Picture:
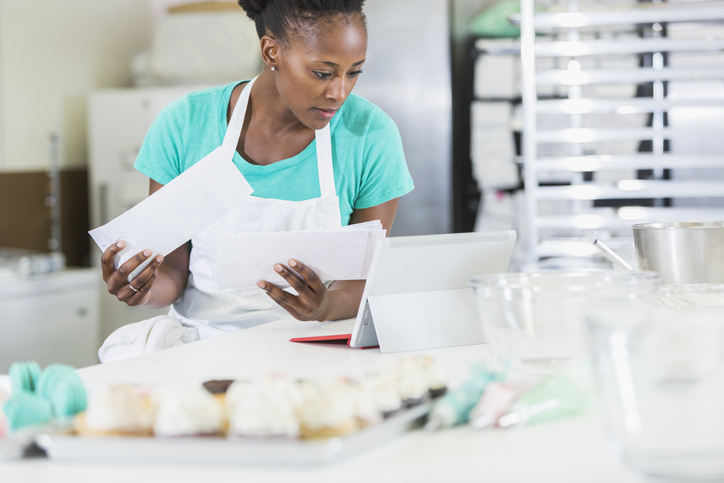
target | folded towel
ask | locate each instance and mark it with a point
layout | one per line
(147, 336)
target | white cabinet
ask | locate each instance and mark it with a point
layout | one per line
(118, 120)
(50, 318)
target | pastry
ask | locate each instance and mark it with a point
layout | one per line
(436, 377)
(50, 376)
(116, 410)
(384, 393)
(61, 386)
(187, 411)
(364, 404)
(410, 381)
(27, 409)
(264, 408)
(24, 376)
(327, 412)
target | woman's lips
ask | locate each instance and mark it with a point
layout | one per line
(326, 113)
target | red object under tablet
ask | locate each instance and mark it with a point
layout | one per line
(340, 339)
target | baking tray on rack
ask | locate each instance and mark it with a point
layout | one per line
(257, 451)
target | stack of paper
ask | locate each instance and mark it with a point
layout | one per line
(176, 213)
(342, 254)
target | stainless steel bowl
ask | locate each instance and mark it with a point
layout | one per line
(682, 252)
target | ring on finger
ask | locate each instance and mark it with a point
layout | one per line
(135, 290)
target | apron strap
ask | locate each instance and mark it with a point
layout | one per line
(324, 162)
(323, 138)
(233, 131)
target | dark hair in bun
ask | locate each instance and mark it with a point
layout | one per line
(284, 18)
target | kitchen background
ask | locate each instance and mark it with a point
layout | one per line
(82, 80)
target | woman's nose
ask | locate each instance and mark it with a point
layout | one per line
(337, 89)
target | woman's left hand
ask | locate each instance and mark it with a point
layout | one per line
(313, 300)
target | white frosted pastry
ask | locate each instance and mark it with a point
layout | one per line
(366, 409)
(187, 411)
(117, 410)
(263, 408)
(384, 394)
(410, 379)
(436, 377)
(328, 412)
(283, 387)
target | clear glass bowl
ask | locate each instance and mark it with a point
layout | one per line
(537, 320)
(661, 377)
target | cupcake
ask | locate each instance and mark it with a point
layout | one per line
(187, 411)
(366, 410)
(410, 380)
(436, 377)
(384, 394)
(116, 410)
(24, 376)
(264, 408)
(326, 412)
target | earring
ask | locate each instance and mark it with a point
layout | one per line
(273, 68)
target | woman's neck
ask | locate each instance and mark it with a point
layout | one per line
(269, 111)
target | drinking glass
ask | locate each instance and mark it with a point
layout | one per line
(661, 379)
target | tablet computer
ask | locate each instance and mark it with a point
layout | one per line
(417, 294)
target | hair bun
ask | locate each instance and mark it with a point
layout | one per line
(253, 7)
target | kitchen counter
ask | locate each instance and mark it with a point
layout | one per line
(569, 450)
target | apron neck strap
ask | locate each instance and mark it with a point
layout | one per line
(323, 138)
(233, 131)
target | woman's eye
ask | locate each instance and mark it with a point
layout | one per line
(323, 75)
(355, 73)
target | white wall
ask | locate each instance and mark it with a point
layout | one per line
(52, 53)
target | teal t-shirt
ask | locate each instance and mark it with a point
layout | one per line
(367, 156)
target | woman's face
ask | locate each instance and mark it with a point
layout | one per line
(317, 72)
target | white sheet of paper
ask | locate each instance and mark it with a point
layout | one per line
(184, 207)
(343, 254)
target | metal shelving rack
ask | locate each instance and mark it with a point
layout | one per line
(609, 206)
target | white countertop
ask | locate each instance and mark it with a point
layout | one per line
(569, 450)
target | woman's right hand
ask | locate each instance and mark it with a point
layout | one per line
(138, 291)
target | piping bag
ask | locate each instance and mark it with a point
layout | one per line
(454, 407)
(567, 393)
(496, 401)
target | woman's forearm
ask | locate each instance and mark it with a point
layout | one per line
(345, 296)
(164, 292)
(171, 278)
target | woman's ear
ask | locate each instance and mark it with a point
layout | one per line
(270, 51)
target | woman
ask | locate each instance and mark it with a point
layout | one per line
(313, 52)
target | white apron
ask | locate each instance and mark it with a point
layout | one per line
(203, 310)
